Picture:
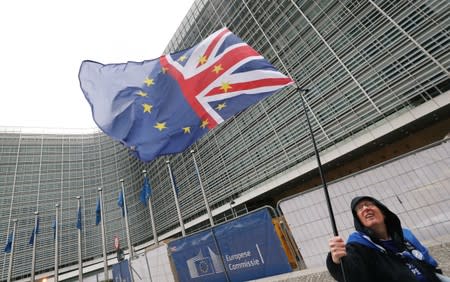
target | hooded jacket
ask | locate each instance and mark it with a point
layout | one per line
(367, 260)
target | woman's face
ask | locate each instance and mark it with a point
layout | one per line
(369, 214)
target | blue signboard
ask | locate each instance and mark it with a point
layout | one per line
(243, 249)
(196, 258)
(121, 272)
(250, 247)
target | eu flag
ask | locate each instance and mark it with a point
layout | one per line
(120, 203)
(54, 224)
(161, 106)
(146, 191)
(34, 232)
(98, 214)
(79, 218)
(8, 245)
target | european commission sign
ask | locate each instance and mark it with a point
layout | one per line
(243, 249)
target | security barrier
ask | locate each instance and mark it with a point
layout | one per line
(242, 249)
(415, 186)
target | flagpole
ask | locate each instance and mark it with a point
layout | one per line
(56, 242)
(80, 258)
(180, 219)
(105, 259)
(130, 247)
(300, 90)
(211, 220)
(11, 258)
(316, 151)
(33, 256)
(150, 208)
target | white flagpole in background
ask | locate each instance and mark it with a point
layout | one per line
(150, 208)
(33, 256)
(56, 242)
(183, 232)
(80, 257)
(211, 220)
(102, 222)
(11, 258)
(130, 247)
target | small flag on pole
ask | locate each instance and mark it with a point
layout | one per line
(146, 191)
(54, 223)
(34, 232)
(120, 203)
(79, 218)
(177, 190)
(98, 214)
(8, 245)
(162, 106)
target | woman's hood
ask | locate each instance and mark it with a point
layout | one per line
(391, 220)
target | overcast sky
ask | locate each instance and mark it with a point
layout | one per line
(44, 42)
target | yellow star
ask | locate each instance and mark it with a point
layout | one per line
(187, 129)
(164, 69)
(220, 106)
(147, 108)
(182, 58)
(217, 69)
(204, 123)
(142, 93)
(225, 86)
(160, 126)
(202, 60)
(149, 81)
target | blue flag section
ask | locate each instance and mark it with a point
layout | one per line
(120, 203)
(161, 106)
(121, 271)
(177, 190)
(34, 232)
(54, 228)
(247, 248)
(146, 191)
(79, 224)
(98, 212)
(8, 245)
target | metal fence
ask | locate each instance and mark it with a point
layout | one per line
(415, 186)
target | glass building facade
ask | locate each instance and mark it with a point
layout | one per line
(370, 67)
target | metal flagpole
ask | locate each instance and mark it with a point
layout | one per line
(80, 257)
(33, 256)
(150, 208)
(130, 247)
(211, 220)
(56, 242)
(319, 164)
(11, 258)
(102, 213)
(183, 232)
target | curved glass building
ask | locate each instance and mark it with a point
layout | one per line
(378, 81)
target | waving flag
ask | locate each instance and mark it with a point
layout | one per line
(162, 106)
(79, 218)
(146, 191)
(8, 245)
(98, 214)
(120, 203)
(54, 225)
(34, 232)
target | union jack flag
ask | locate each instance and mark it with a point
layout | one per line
(162, 106)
